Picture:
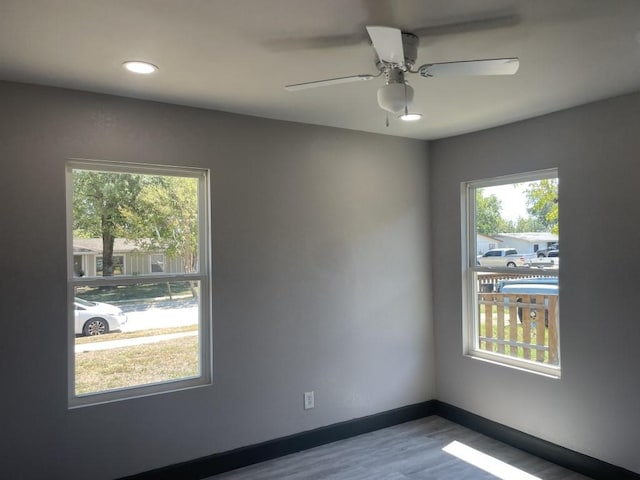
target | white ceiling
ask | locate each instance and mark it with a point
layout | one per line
(236, 55)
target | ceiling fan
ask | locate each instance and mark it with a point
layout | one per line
(396, 53)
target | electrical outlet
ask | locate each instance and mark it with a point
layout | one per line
(309, 402)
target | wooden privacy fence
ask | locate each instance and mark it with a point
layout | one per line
(519, 325)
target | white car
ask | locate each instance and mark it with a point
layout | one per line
(504, 257)
(95, 318)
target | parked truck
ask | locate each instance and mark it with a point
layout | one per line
(541, 287)
(547, 252)
(505, 257)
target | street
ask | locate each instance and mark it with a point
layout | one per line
(166, 314)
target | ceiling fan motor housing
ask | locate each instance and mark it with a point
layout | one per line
(410, 44)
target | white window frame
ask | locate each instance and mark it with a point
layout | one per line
(470, 340)
(202, 276)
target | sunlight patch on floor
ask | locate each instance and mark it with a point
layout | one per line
(487, 463)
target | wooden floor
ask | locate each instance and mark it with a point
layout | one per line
(410, 451)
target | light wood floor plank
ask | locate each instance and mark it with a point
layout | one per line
(411, 451)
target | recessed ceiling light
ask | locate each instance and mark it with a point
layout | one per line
(143, 68)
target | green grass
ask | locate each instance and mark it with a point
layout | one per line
(137, 365)
(142, 292)
(515, 351)
(137, 334)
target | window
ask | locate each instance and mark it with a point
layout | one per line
(511, 292)
(117, 265)
(157, 262)
(78, 270)
(139, 314)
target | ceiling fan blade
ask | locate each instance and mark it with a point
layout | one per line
(496, 66)
(468, 23)
(387, 41)
(329, 81)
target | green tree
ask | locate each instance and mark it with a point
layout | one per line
(156, 212)
(489, 219)
(166, 218)
(528, 224)
(102, 206)
(542, 203)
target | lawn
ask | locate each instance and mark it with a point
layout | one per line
(135, 334)
(144, 292)
(137, 365)
(512, 350)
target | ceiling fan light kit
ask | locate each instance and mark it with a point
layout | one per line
(394, 97)
(410, 116)
(396, 54)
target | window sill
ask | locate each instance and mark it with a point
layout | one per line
(516, 364)
(118, 395)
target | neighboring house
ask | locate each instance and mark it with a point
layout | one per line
(528, 242)
(128, 259)
(485, 242)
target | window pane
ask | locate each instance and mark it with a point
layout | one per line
(131, 335)
(117, 265)
(518, 316)
(78, 270)
(157, 262)
(519, 218)
(123, 221)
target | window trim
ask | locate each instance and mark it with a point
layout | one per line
(203, 276)
(470, 336)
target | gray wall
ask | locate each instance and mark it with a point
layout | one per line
(593, 408)
(321, 281)
(322, 258)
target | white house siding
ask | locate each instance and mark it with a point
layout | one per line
(484, 243)
(134, 263)
(139, 263)
(526, 243)
(522, 246)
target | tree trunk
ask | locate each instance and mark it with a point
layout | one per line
(107, 248)
(189, 265)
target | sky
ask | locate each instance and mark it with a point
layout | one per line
(512, 197)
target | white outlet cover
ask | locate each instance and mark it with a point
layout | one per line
(308, 400)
